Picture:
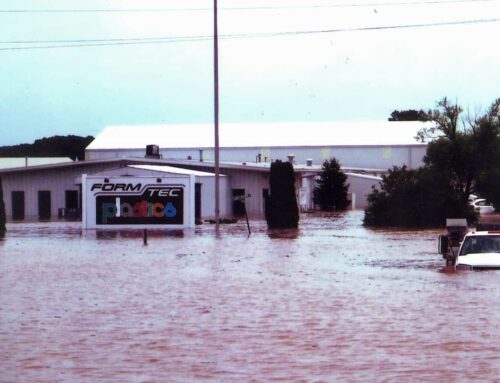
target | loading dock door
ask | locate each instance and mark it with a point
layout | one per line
(17, 205)
(44, 204)
(238, 202)
(71, 202)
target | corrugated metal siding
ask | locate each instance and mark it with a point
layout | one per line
(361, 186)
(253, 183)
(373, 157)
(57, 181)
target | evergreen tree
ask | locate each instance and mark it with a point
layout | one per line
(282, 209)
(331, 190)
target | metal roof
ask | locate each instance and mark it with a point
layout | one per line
(241, 135)
(172, 170)
(18, 162)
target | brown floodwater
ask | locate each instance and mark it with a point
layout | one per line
(332, 301)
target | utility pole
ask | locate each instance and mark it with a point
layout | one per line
(216, 118)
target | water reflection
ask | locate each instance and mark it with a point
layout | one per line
(283, 233)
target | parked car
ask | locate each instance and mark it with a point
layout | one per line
(482, 206)
(472, 198)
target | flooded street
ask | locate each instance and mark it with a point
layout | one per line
(333, 301)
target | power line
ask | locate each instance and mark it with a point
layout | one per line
(109, 40)
(271, 7)
(177, 39)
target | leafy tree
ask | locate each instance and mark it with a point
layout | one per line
(414, 198)
(466, 151)
(282, 209)
(331, 190)
(408, 115)
(3, 218)
(56, 146)
(488, 132)
(462, 158)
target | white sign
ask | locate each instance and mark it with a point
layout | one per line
(138, 202)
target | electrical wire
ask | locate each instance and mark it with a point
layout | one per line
(177, 39)
(271, 7)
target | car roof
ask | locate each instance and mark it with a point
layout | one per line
(484, 233)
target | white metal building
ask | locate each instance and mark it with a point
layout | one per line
(374, 145)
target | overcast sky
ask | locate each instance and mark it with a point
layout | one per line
(330, 76)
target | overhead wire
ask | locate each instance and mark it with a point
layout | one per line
(270, 7)
(54, 44)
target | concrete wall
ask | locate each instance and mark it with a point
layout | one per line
(373, 157)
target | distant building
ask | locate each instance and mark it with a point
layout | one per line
(366, 145)
(154, 157)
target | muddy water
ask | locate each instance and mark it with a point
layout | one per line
(331, 302)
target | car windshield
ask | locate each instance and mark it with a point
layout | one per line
(481, 244)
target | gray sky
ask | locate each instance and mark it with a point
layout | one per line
(330, 76)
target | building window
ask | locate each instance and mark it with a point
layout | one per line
(17, 205)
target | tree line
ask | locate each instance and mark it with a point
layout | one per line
(56, 146)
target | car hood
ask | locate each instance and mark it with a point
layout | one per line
(480, 260)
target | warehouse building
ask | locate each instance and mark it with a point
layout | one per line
(364, 145)
(161, 157)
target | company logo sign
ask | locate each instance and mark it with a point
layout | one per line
(137, 204)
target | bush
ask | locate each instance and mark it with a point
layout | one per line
(331, 190)
(415, 198)
(3, 218)
(281, 209)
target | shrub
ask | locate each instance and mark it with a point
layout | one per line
(415, 198)
(282, 209)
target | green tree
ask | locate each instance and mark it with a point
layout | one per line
(281, 209)
(56, 146)
(408, 115)
(488, 133)
(331, 190)
(462, 157)
(414, 198)
(3, 218)
(465, 150)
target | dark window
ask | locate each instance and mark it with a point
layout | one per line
(17, 205)
(239, 208)
(71, 199)
(44, 204)
(265, 196)
(197, 202)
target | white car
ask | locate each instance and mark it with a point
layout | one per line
(479, 250)
(482, 206)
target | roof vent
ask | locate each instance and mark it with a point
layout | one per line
(153, 151)
(291, 158)
(309, 162)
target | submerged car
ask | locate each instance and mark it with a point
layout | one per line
(482, 206)
(479, 250)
